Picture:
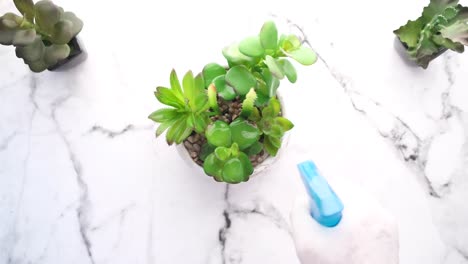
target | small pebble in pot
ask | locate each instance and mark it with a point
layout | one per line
(193, 154)
(196, 147)
(191, 139)
(188, 145)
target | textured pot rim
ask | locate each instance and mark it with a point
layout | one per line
(260, 168)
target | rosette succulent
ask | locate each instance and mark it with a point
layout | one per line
(443, 25)
(41, 35)
(229, 117)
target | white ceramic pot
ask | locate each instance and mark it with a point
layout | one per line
(259, 169)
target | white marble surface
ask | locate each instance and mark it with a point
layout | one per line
(82, 179)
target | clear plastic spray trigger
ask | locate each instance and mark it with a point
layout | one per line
(326, 206)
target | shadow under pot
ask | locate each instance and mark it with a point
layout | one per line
(423, 61)
(77, 55)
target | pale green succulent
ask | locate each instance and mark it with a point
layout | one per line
(41, 35)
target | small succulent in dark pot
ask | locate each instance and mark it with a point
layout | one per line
(45, 36)
(443, 25)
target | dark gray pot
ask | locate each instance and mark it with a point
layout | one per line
(77, 55)
(402, 50)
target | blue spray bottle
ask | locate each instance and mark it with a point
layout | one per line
(326, 206)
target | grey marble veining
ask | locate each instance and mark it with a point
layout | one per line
(83, 180)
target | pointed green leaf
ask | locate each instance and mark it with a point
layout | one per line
(284, 123)
(274, 67)
(271, 149)
(175, 85)
(167, 97)
(241, 79)
(163, 115)
(174, 130)
(183, 133)
(276, 106)
(303, 55)
(269, 36)
(162, 127)
(234, 150)
(288, 70)
(188, 82)
(251, 47)
(224, 90)
(26, 8)
(276, 131)
(201, 96)
(213, 98)
(200, 123)
(211, 71)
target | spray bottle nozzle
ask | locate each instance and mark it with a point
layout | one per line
(326, 205)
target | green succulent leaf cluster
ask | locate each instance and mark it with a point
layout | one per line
(258, 62)
(273, 126)
(228, 162)
(189, 110)
(41, 35)
(249, 121)
(443, 25)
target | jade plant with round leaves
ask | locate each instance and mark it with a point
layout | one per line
(229, 117)
(41, 35)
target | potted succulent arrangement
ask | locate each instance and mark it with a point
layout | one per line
(443, 25)
(44, 36)
(229, 119)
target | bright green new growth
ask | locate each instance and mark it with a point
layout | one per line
(41, 35)
(273, 126)
(256, 65)
(190, 108)
(443, 25)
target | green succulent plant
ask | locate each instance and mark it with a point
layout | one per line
(273, 126)
(443, 25)
(234, 109)
(189, 110)
(258, 62)
(229, 140)
(41, 35)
